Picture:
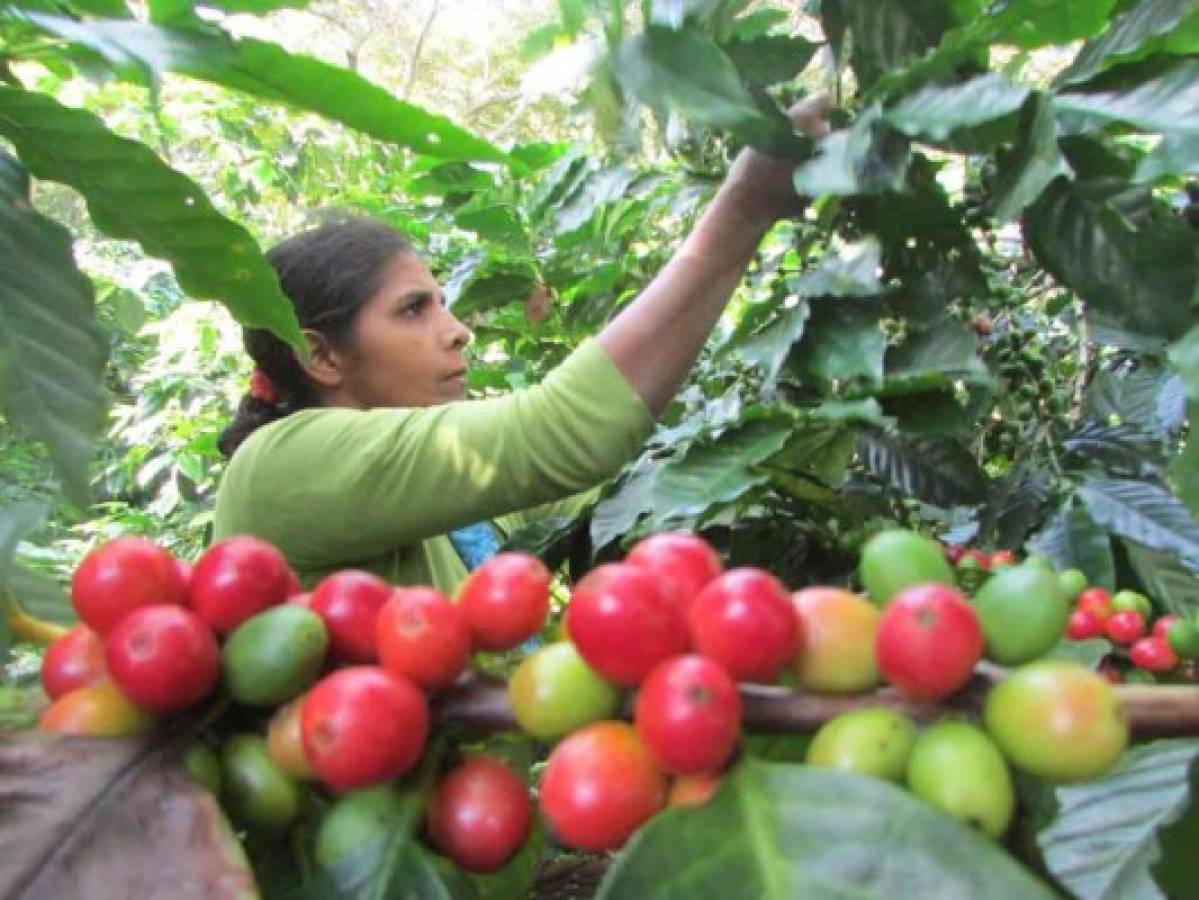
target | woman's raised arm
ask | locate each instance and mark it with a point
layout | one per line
(655, 340)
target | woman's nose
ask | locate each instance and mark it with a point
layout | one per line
(458, 334)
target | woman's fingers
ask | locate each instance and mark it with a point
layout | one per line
(810, 115)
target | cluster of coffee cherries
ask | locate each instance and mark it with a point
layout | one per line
(334, 691)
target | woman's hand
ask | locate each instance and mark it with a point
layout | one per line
(762, 184)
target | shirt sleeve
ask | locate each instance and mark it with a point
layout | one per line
(338, 485)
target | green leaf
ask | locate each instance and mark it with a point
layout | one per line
(515, 880)
(592, 193)
(936, 471)
(1179, 842)
(1176, 155)
(52, 351)
(710, 475)
(934, 359)
(820, 450)
(112, 9)
(851, 270)
(756, 24)
(394, 864)
(768, 60)
(1184, 470)
(769, 348)
(499, 224)
(687, 72)
(1165, 579)
(673, 13)
(38, 595)
(1035, 23)
(1146, 398)
(777, 830)
(1145, 513)
(16, 521)
(869, 158)
(1074, 541)
(937, 110)
(1117, 447)
(1089, 653)
(267, 71)
(1138, 282)
(1025, 172)
(183, 12)
(482, 281)
(132, 194)
(1104, 841)
(616, 515)
(1133, 35)
(843, 342)
(1167, 100)
(888, 34)
(1015, 505)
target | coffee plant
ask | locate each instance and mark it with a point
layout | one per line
(982, 328)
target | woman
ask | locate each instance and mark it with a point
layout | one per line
(367, 459)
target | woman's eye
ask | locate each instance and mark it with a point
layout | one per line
(415, 308)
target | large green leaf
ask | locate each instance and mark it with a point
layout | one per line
(394, 864)
(934, 359)
(851, 270)
(1103, 844)
(767, 60)
(1074, 541)
(483, 280)
(868, 158)
(1177, 154)
(1172, 585)
(778, 830)
(1147, 398)
(616, 515)
(819, 450)
(714, 474)
(167, 11)
(1015, 505)
(1035, 23)
(769, 348)
(937, 110)
(1139, 282)
(1143, 512)
(1166, 100)
(52, 351)
(1148, 27)
(709, 474)
(843, 342)
(16, 521)
(687, 72)
(1121, 449)
(132, 194)
(1184, 470)
(888, 34)
(268, 71)
(936, 471)
(1025, 172)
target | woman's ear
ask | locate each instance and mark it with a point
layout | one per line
(324, 365)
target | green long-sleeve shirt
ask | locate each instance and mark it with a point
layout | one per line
(337, 488)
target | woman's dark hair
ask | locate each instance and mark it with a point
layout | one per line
(328, 273)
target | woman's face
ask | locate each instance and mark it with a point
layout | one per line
(409, 349)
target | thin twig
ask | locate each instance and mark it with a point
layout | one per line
(480, 706)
